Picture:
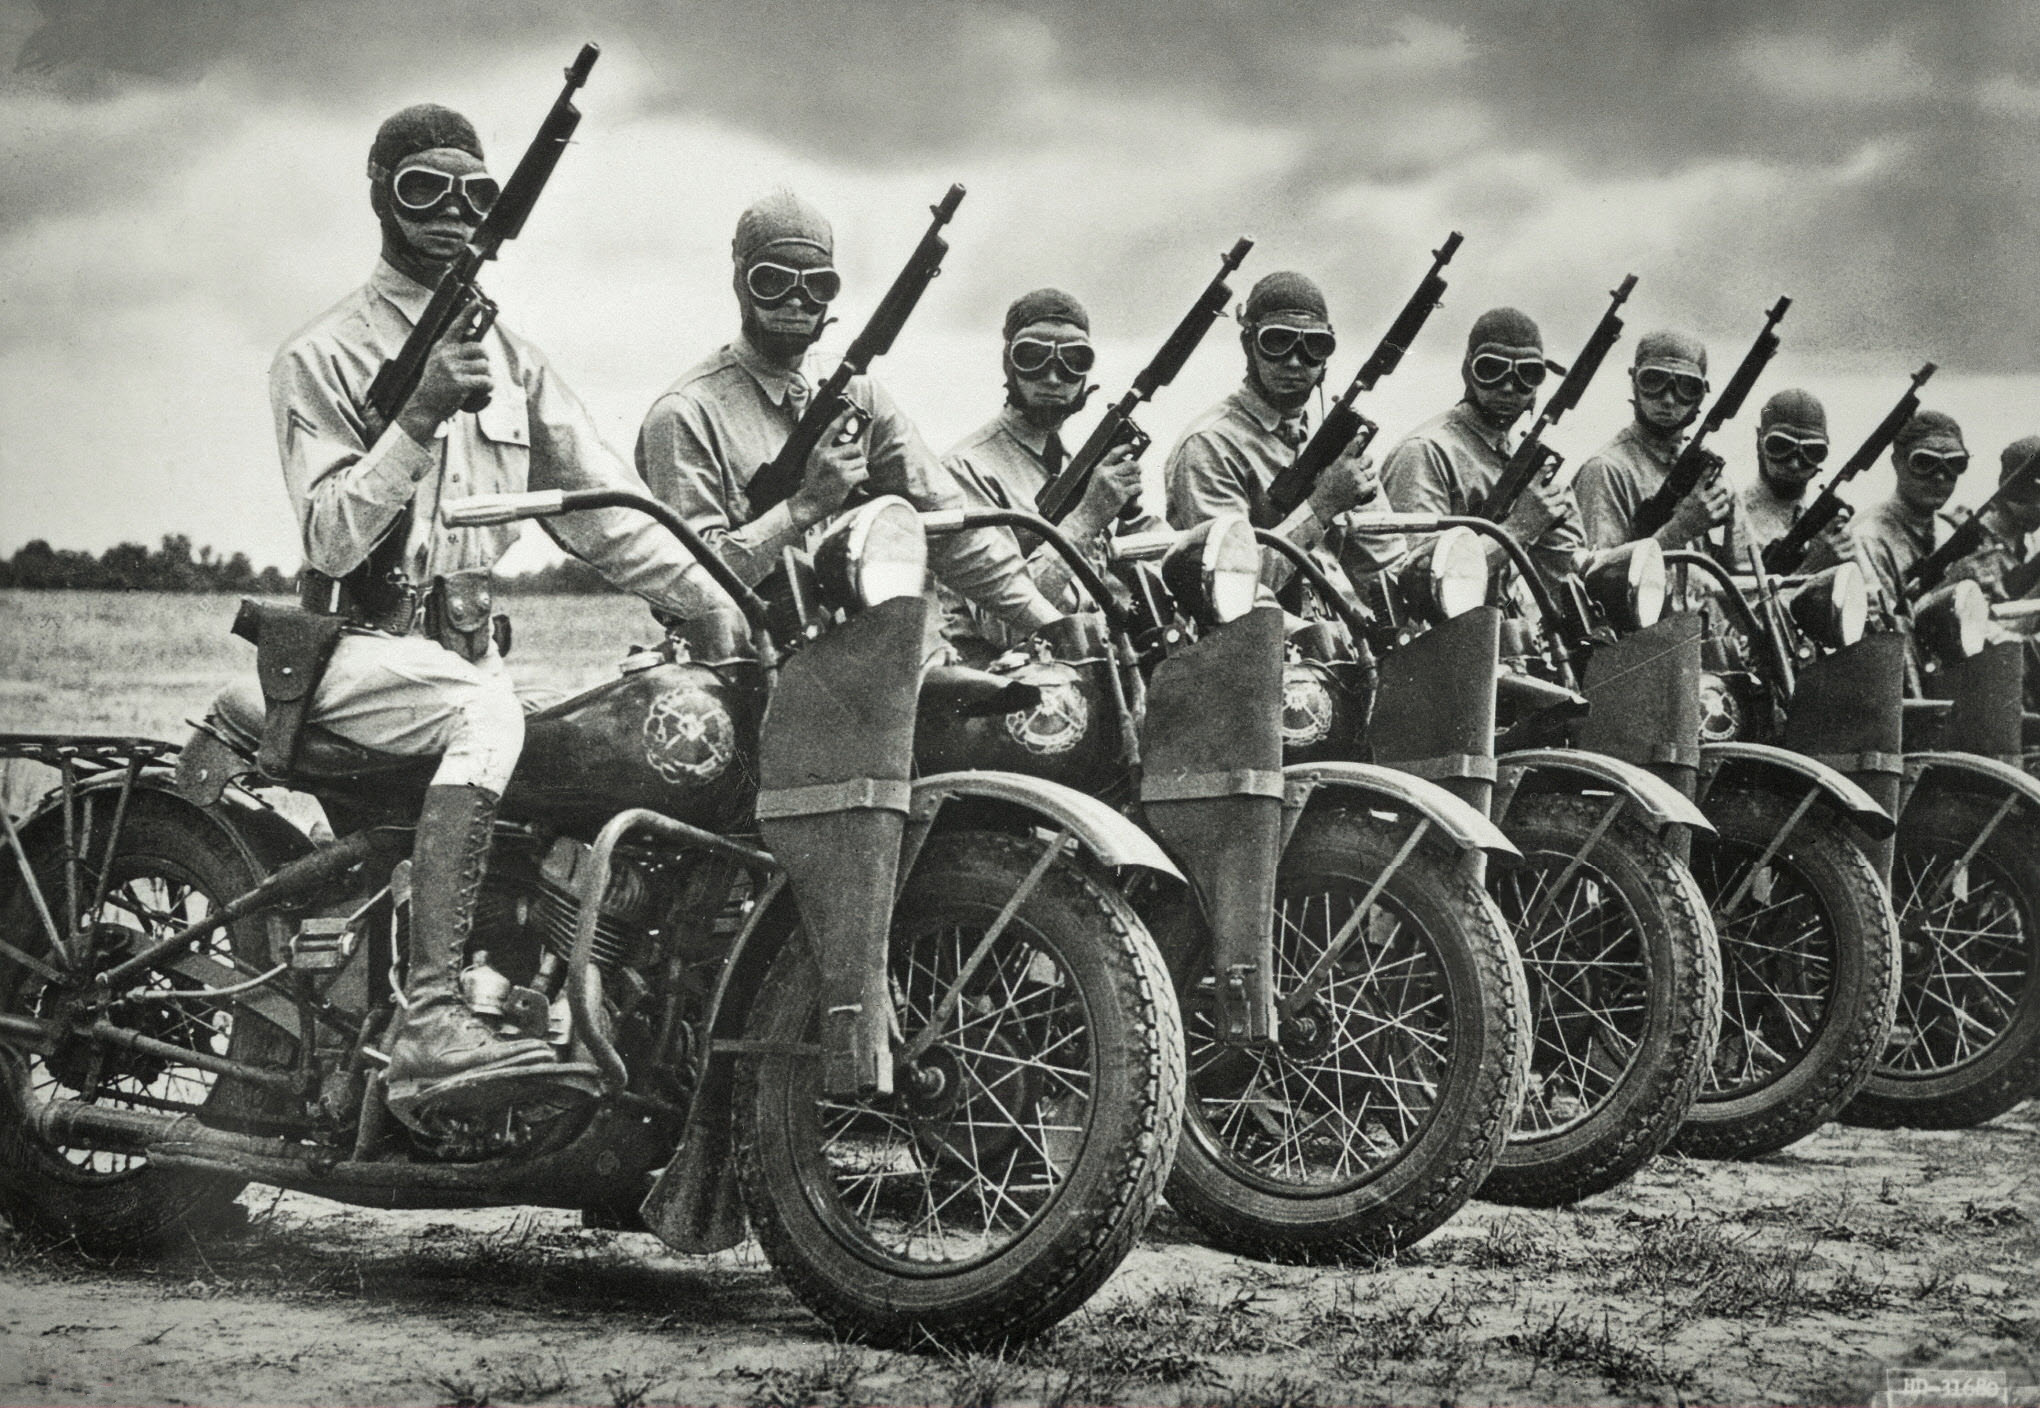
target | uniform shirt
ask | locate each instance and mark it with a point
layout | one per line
(1763, 517)
(727, 416)
(1448, 465)
(1224, 464)
(533, 434)
(1890, 537)
(1004, 464)
(1997, 555)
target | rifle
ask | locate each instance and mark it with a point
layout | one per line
(1786, 554)
(781, 477)
(1696, 462)
(1532, 457)
(1926, 574)
(1343, 426)
(458, 307)
(1066, 490)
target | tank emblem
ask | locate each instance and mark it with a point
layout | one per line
(1055, 725)
(1307, 708)
(689, 736)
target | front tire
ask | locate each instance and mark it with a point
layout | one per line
(1019, 1158)
(1966, 1044)
(1625, 991)
(1388, 1096)
(1809, 957)
(169, 871)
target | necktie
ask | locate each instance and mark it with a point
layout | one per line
(1052, 455)
(797, 394)
(1293, 433)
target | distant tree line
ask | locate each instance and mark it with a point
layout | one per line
(130, 567)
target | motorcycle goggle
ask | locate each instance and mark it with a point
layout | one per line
(422, 189)
(1935, 465)
(1276, 341)
(775, 283)
(1492, 368)
(1780, 446)
(1655, 381)
(1032, 357)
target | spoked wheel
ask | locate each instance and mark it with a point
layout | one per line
(1625, 996)
(166, 875)
(1399, 1061)
(1038, 1097)
(1808, 965)
(1966, 1043)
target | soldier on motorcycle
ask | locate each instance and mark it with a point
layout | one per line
(1929, 457)
(417, 671)
(729, 414)
(1792, 445)
(1448, 464)
(1228, 457)
(1007, 462)
(1668, 379)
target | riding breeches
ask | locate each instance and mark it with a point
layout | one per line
(410, 695)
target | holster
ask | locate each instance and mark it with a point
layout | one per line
(457, 613)
(292, 648)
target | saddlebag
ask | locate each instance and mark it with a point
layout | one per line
(292, 648)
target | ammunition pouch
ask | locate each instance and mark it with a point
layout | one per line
(292, 648)
(457, 613)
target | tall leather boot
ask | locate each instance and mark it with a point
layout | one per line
(440, 1038)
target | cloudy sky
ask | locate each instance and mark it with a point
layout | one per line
(181, 187)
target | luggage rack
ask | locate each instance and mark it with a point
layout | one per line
(79, 759)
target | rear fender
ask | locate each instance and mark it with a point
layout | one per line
(1575, 770)
(1761, 765)
(1462, 825)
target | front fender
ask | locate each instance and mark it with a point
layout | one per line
(1968, 772)
(1663, 804)
(1462, 823)
(1103, 832)
(1763, 760)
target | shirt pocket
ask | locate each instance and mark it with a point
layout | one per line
(503, 430)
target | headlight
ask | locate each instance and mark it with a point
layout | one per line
(1952, 620)
(1721, 713)
(1443, 577)
(1833, 607)
(1628, 584)
(1214, 571)
(876, 552)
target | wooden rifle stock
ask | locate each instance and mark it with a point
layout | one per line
(781, 477)
(1062, 493)
(1696, 462)
(1785, 554)
(1343, 426)
(1531, 457)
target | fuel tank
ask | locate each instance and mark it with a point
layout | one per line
(681, 739)
(1069, 733)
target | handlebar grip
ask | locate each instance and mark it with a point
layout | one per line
(1141, 547)
(482, 510)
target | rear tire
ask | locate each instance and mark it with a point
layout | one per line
(1810, 976)
(976, 1209)
(168, 871)
(1966, 1044)
(1625, 991)
(1415, 1054)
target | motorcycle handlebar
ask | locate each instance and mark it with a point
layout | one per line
(958, 520)
(483, 509)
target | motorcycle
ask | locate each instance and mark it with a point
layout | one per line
(906, 1030)
(1352, 1007)
(1785, 866)
(1616, 944)
(1931, 709)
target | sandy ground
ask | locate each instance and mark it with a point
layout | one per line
(1796, 1279)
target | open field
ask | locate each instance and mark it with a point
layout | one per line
(1796, 1278)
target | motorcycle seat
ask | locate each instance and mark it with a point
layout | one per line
(322, 754)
